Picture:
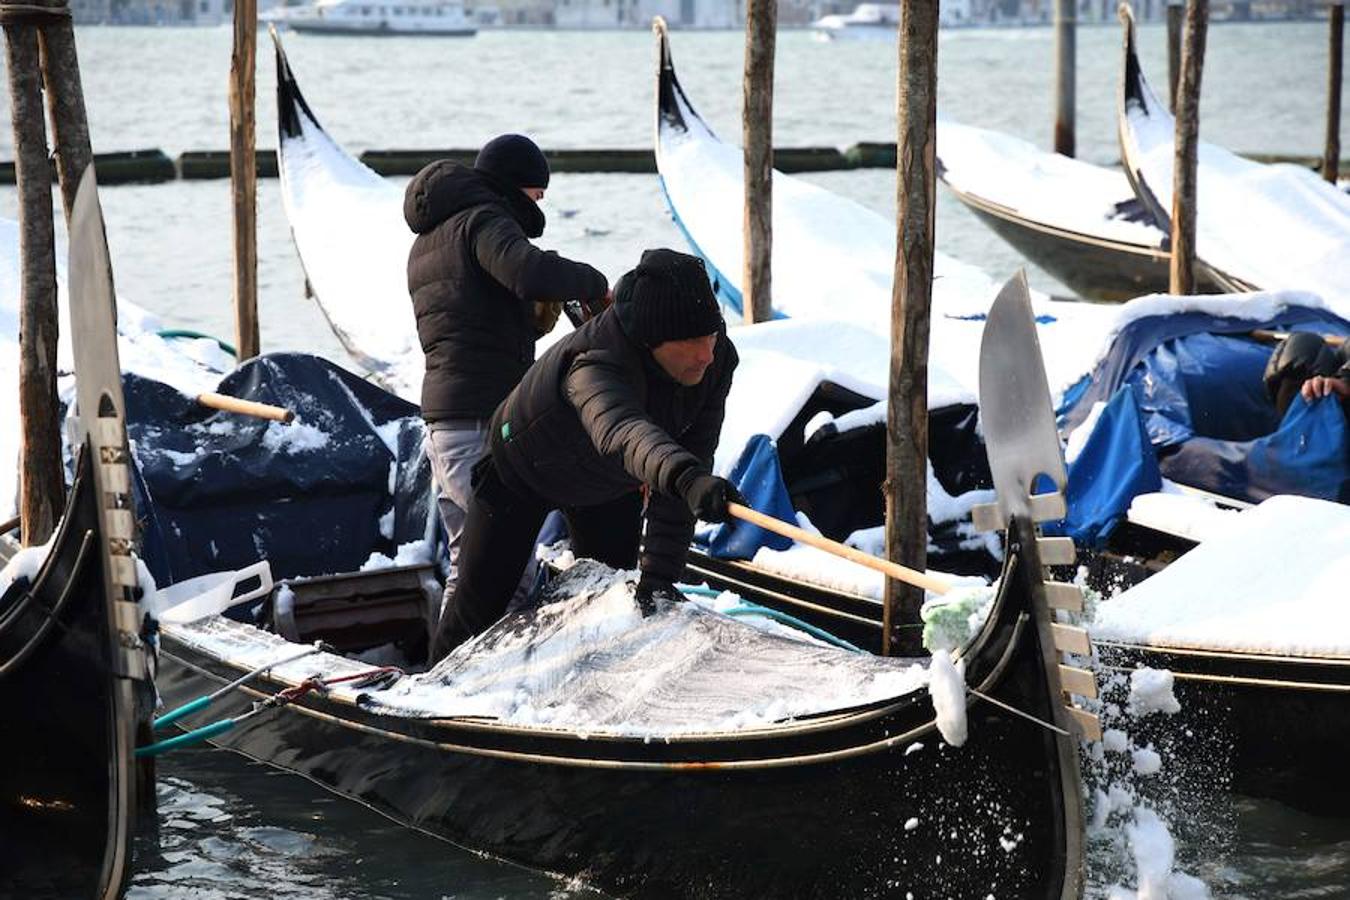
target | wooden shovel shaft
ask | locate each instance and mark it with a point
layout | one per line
(245, 407)
(886, 567)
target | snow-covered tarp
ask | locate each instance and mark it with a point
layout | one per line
(1273, 582)
(587, 661)
(1271, 226)
(1043, 187)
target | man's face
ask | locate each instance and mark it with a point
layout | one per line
(686, 360)
(535, 194)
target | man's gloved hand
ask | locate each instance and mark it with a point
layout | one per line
(708, 496)
(653, 593)
(545, 317)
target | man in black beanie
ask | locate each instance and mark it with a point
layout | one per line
(482, 294)
(629, 404)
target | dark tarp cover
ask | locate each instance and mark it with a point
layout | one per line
(218, 491)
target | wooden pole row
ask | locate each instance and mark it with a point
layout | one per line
(244, 178)
(1066, 62)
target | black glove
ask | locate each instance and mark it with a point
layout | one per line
(708, 496)
(653, 593)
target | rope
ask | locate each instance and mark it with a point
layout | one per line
(170, 333)
(1012, 709)
(276, 701)
(30, 14)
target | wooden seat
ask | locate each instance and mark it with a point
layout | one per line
(359, 610)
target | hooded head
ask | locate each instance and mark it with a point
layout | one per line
(667, 305)
(514, 160)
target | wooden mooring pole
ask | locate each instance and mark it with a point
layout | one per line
(1187, 138)
(244, 178)
(761, 26)
(41, 478)
(1331, 159)
(907, 414)
(1066, 56)
(1176, 16)
(65, 102)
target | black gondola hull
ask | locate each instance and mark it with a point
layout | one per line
(64, 822)
(857, 803)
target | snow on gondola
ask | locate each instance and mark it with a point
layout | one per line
(1078, 221)
(1258, 226)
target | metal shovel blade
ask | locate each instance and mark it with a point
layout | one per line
(1015, 411)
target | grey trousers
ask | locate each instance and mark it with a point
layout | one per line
(454, 451)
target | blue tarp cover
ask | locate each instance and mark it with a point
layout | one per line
(759, 478)
(218, 490)
(1194, 388)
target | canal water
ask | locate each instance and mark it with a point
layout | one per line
(230, 828)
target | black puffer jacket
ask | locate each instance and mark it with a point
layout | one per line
(473, 274)
(596, 417)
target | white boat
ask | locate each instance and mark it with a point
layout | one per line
(881, 21)
(868, 21)
(382, 17)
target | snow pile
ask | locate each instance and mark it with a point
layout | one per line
(25, 564)
(1229, 581)
(952, 619)
(410, 554)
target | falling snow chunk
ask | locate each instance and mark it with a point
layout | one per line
(914, 748)
(911, 824)
(947, 686)
(1115, 740)
(1147, 761)
(1151, 691)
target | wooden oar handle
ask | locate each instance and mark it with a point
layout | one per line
(245, 407)
(886, 567)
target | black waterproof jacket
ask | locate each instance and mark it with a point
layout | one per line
(596, 417)
(473, 274)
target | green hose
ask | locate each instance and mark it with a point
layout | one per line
(170, 333)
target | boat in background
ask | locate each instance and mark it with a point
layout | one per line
(868, 21)
(1258, 227)
(381, 18)
(1078, 221)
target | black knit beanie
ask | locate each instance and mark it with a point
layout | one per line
(667, 298)
(514, 159)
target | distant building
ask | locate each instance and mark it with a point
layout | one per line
(151, 12)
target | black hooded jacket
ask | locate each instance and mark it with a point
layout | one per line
(597, 417)
(473, 274)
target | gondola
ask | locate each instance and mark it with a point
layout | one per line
(1078, 221)
(347, 223)
(74, 662)
(1258, 226)
(855, 800)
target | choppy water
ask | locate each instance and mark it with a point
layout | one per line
(233, 829)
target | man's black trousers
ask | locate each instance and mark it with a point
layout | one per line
(499, 534)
